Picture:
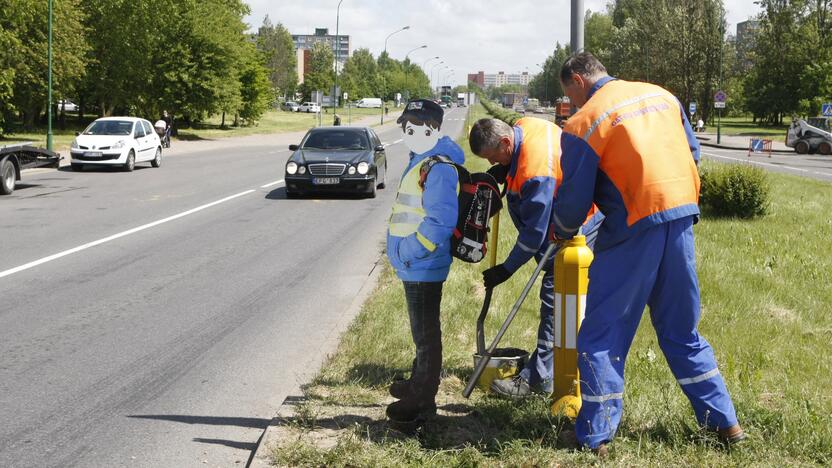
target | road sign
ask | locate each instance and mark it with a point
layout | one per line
(720, 96)
(826, 109)
(719, 105)
(692, 108)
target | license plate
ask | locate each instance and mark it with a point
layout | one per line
(325, 180)
(93, 154)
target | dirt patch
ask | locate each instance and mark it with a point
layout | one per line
(782, 314)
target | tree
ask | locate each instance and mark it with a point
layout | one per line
(256, 90)
(361, 76)
(276, 45)
(546, 85)
(321, 76)
(25, 32)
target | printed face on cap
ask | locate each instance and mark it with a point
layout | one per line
(420, 138)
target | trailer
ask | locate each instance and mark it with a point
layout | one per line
(15, 158)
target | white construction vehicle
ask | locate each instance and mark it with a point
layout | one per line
(810, 136)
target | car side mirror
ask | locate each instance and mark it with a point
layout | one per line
(77, 133)
(380, 148)
(293, 147)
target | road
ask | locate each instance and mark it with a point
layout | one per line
(159, 318)
(814, 166)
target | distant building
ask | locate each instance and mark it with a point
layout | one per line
(745, 41)
(487, 80)
(341, 51)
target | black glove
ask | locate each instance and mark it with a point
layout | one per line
(499, 173)
(495, 276)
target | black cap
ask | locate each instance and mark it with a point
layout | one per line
(423, 109)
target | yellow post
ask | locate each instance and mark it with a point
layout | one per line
(495, 237)
(571, 281)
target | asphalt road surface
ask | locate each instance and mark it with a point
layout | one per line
(815, 166)
(159, 318)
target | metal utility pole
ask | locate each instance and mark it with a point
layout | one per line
(337, 56)
(49, 79)
(576, 42)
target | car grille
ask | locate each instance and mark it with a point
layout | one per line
(328, 169)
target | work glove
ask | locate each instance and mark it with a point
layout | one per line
(495, 276)
(499, 172)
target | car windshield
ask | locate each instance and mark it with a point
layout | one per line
(336, 140)
(109, 127)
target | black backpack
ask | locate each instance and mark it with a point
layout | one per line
(479, 200)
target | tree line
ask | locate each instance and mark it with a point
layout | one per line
(683, 45)
(190, 57)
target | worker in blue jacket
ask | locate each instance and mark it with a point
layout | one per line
(528, 155)
(418, 246)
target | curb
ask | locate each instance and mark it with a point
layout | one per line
(260, 458)
(737, 148)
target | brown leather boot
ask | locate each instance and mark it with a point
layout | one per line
(731, 435)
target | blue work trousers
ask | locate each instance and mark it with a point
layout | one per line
(540, 368)
(655, 267)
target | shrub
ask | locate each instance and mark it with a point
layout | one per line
(737, 190)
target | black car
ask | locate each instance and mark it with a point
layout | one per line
(342, 159)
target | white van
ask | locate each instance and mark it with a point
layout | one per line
(369, 102)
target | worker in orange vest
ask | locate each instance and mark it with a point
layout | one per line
(631, 151)
(527, 159)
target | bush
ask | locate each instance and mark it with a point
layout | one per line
(736, 190)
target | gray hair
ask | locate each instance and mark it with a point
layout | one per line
(486, 134)
(584, 64)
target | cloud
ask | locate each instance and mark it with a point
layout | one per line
(468, 35)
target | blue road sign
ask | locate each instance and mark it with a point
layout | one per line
(826, 109)
(692, 108)
(720, 96)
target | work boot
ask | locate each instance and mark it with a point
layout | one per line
(731, 435)
(400, 389)
(515, 388)
(411, 410)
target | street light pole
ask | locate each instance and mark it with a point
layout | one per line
(431, 74)
(337, 56)
(49, 79)
(394, 32)
(407, 67)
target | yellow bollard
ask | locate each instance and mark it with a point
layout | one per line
(571, 281)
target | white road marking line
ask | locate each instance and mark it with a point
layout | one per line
(272, 183)
(760, 163)
(118, 236)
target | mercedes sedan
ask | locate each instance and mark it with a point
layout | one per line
(341, 159)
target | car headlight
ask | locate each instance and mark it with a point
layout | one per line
(74, 144)
(351, 170)
(291, 168)
(302, 169)
(118, 145)
(363, 168)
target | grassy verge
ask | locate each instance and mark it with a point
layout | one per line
(272, 122)
(745, 126)
(766, 292)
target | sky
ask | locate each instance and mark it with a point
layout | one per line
(468, 36)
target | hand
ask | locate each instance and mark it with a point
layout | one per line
(499, 172)
(495, 276)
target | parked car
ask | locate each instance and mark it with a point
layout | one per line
(373, 102)
(291, 106)
(337, 159)
(67, 105)
(309, 107)
(116, 141)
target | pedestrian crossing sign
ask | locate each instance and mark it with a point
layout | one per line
(826, 109)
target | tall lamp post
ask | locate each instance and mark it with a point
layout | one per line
(394, 32)
(337, 56)
(431, 74)
(407, 67)
(49, 85)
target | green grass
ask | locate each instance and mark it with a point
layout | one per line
(744, 126)
(767, 296)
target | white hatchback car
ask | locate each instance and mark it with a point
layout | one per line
(116, 141)
(309, 107)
